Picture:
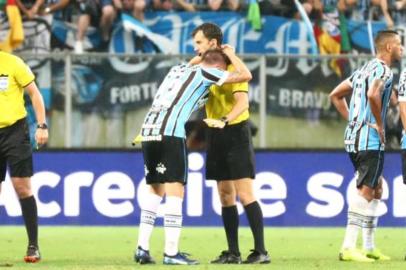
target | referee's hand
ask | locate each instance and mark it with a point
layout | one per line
(41, 136)
(214, 123)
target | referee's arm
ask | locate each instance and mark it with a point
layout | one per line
(41, 135)
(241, 105)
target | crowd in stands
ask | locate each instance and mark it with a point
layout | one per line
(102, 13)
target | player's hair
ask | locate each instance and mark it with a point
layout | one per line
(382, 38)
(210, 31)
(214, 56)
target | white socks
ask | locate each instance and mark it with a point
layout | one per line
(147, 220)
(356, 217)
(369, 226)
(172, 224)
(361, 214)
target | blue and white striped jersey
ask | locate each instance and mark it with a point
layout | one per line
(184, 89)
(402, 98)
(359, 136)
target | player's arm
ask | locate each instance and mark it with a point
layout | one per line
(375, 102)
(241, 73)
(41, 135)
(337, 97)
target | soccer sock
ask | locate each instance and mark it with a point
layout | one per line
(147, 219)
(30, 215)
(231, 222)
(356, 218)
(172, 224)
(369, 225)
(256, 221)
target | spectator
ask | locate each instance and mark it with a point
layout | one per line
(30, 8)
(134, 7)
(169, 5)
(51, 7)
(370, 10)
(99, 13)
(284, 8)
(215, 5)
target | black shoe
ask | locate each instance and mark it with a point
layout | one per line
(257, 257)
(227, 257)
(142, 256)
(32, 255)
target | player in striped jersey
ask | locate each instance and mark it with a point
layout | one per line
(371, 87)
(183, 90)
(402, 107)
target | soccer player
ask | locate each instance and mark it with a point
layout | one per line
(371, 87)
(184, 89)
(402, 107)
(230, 155)
(15, 147)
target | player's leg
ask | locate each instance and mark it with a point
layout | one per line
(151, 152)
(149, 211)
(173, 170)
(244, 188)
(357, 206)
(370, 225)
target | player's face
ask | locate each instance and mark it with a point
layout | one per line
(202, 43)
(397, 48)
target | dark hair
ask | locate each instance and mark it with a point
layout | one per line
(214, 56)
(382, 36)
(210, 31)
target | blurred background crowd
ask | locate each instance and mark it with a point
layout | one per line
(103, 14)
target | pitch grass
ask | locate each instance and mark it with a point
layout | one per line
(105, 248)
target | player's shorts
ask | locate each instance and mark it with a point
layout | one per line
(230, 153)
(165, 161)
(403, 154)
(15, 150)
(368, 166)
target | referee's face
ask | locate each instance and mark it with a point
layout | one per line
(202, 44)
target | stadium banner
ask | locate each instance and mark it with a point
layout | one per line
(107, 188)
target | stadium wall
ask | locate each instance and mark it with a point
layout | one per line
(106, 188)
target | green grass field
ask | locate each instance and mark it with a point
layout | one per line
(112, 248)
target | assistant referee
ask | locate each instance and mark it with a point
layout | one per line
(15, 147)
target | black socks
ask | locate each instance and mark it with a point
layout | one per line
(30, 215)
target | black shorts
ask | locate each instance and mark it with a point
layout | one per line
(403, 154)
(15, 150)
(368, 166)
(165, 161)
(230, 153)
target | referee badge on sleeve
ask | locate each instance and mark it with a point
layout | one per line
(3, 82)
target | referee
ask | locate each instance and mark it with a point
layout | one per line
(230, 155)
(15, 147)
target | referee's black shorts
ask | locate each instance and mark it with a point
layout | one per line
(230, 153)
(165, 161)
(15, 150)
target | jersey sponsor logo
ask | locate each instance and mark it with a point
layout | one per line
(3, 82)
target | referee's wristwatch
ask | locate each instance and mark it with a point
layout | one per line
(224, 120)
(42, 126)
